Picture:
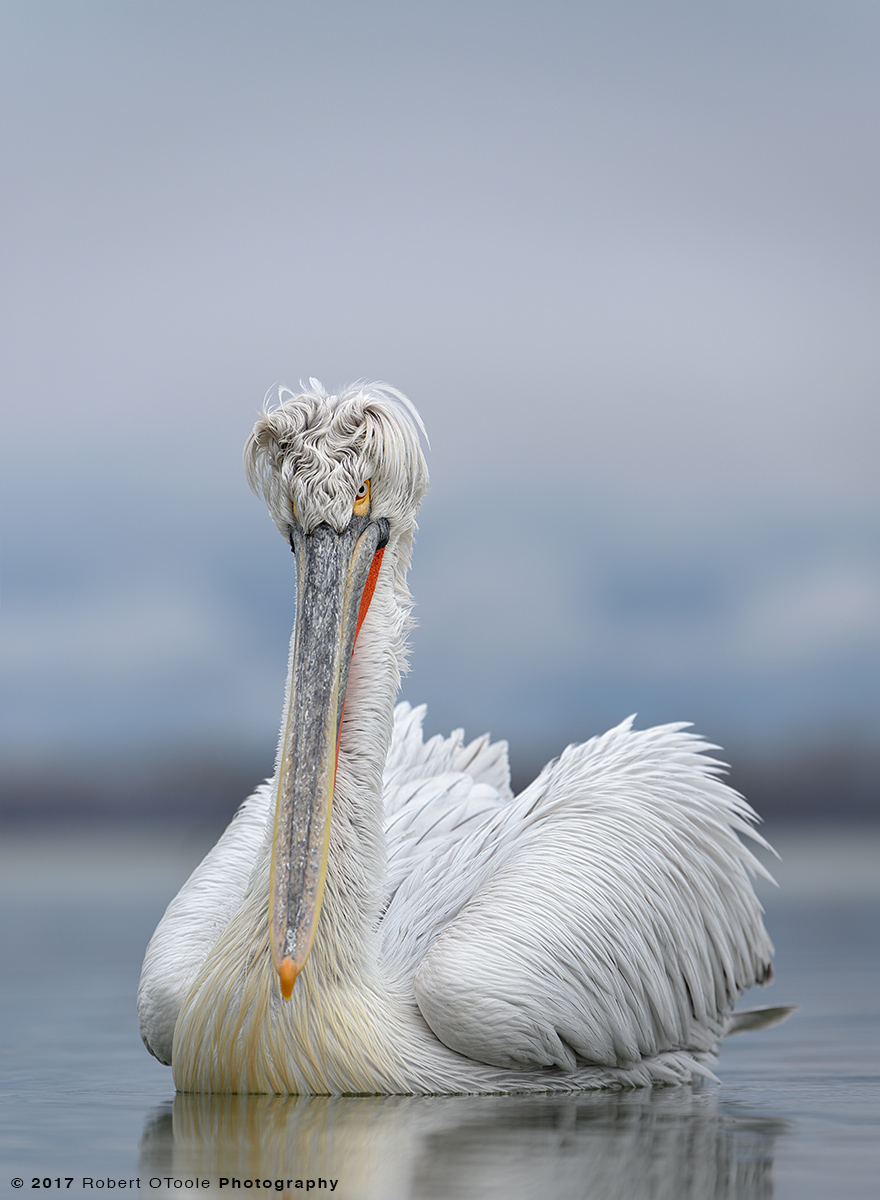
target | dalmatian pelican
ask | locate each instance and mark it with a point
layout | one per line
(384, 915)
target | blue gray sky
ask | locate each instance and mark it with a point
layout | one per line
(623, 258)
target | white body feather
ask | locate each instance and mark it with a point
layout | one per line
(594, 931)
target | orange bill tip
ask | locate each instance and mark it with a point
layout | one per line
(287, 973)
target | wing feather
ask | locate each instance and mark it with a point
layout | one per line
(611, 915)
(411, 758)
(194, 920)
(440, 800)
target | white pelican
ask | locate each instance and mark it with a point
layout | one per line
(384, 916)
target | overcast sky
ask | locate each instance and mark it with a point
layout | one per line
(622, 257)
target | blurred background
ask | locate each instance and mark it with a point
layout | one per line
(625, 260)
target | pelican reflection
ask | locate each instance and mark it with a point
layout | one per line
(677, 1142)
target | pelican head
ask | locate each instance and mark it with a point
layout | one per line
(343, 477)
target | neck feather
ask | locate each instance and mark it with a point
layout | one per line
(235, 1033)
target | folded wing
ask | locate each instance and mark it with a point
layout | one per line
(609, 915)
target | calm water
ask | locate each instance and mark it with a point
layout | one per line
(797, 1113)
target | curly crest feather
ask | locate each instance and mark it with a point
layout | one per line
(308, 456)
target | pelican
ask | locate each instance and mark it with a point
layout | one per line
(384, 915)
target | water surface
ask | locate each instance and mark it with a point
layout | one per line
(797, 1112)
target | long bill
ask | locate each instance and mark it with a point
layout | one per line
(336, 574)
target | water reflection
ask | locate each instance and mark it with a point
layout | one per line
(677, 1143)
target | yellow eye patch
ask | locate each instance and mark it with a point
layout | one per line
(362, 499)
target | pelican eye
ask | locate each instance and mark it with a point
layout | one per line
(362, 499)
